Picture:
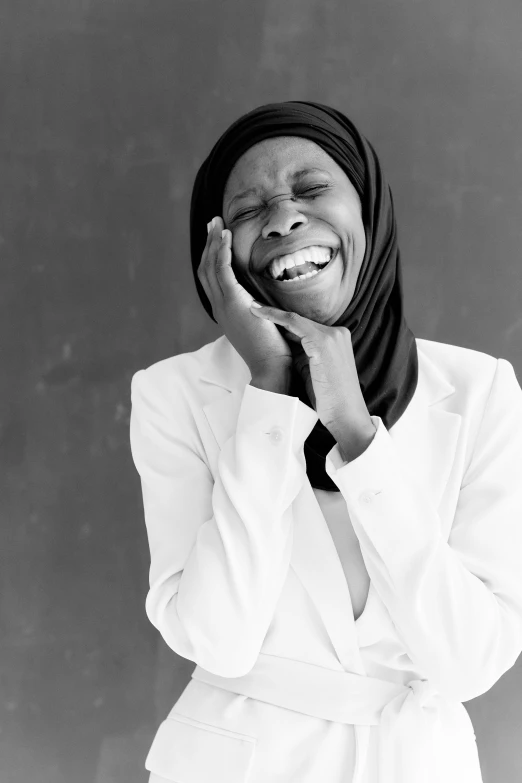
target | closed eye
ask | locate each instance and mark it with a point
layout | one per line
(246, 213)
(310, 192)
(315, 187)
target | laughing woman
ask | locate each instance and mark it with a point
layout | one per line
(333, 506)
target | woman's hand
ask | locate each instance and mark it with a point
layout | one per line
(259, 342)
(323, 356)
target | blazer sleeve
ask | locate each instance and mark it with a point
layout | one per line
(456, 604)
(220, 545)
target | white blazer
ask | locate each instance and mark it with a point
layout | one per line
(245, 579)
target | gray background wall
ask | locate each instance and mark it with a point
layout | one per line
(107, 107)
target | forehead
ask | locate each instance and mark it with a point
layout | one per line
(271, 161)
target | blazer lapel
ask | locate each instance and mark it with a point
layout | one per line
(222, 414)
(316, 563)
(426, 438)
(426, 434)
(226, 370)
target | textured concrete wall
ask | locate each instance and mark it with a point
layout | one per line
(107, 107)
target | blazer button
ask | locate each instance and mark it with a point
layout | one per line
(275, 435)
(367, 496)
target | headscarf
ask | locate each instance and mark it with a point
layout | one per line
(384, 347)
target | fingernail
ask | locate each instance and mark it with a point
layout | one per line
(255, 304)
(209, 226)
(223, 233)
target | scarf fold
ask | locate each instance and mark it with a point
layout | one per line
(384, 347)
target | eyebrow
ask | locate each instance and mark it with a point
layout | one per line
(295, 175)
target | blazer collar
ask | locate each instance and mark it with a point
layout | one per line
(425, 435)
(432, 385)
(225, 367)
(228, 370)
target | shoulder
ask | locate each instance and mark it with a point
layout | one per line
(473, 374)
(455, 362)
(179, 366)
(194, 374)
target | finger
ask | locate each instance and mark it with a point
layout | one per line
(296, 324)
(225, 274)
(204, 255)
(202, 270)
(208, 261)
(213, 256)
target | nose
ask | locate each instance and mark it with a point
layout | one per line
(283, 218)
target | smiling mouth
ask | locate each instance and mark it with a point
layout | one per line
(302, 273)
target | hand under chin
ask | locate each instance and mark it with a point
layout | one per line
(301, 365)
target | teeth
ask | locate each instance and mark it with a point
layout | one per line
(318, 255)
(300, 277)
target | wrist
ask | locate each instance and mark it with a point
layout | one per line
(353, 443)
(277, 382)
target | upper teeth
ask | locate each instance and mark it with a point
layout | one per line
(318, 255)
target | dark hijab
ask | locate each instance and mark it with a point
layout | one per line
(384, 347)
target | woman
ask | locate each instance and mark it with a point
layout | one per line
(333, 506)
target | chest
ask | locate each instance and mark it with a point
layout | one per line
(335, 512)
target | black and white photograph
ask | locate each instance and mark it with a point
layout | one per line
(260, 399)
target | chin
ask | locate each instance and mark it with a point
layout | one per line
(319, 312)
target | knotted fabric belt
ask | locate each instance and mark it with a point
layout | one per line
(407, 715)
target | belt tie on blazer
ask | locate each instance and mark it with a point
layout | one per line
(407, 715)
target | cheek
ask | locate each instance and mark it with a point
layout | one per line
(354, 227)
(359, 239)
(360, 243)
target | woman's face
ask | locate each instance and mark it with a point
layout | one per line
(296, 197)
